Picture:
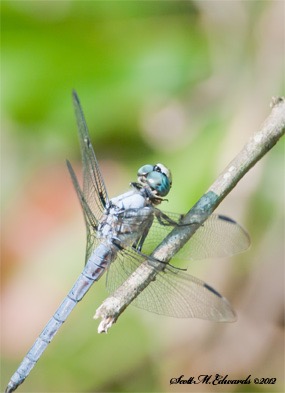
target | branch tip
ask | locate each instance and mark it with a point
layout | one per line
(276, 101)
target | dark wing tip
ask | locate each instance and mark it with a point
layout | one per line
(226, 218)
(246, 235)
(68, 163)
(211, 289)
(228, 314)
(75, 96)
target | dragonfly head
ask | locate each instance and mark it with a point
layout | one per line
(157, 178)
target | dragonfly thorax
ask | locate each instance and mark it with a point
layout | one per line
(125, 217)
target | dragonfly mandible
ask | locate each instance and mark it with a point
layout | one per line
(122, 232)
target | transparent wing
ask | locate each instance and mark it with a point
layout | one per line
(173, 293)
(219, 236)
(94, 189)
(90, 220)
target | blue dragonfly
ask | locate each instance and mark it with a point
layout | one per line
(122, 232)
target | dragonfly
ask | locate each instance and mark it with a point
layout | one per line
(122, 232)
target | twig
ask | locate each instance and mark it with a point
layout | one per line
(258, 145)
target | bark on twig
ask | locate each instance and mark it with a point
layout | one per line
(257, 146)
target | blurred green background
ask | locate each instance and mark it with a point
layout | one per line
(184, 83)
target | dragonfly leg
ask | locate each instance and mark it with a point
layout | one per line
(139, 243)
(164, 219)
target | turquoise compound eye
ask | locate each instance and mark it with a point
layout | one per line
(145, 169)
(163, 169)
(159, 182)
(157, 177)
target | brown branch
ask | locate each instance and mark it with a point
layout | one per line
(258, 145)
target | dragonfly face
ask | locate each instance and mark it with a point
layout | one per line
(157, 178)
